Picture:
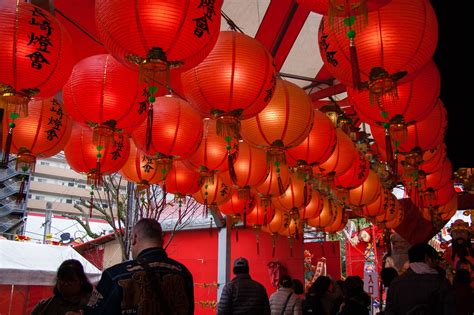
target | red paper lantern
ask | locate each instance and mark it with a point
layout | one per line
(390, 211)
(426, 134)
(314, 207)
(211, 155)
(367, 192)
(416, 99)
(250, 167)
(276, 182)
(140, 169)
(42, 134)
(261, 215)
(101, 92)
(284, 123)
(319, 144)
(327, 215)
(440, 177)
(383, 42)
(433, 159)
(383, 203)
(181, 180)
(36, 57)
(342, 157)
(342, 7)
(356, 175)
(397, 216)
(338, 223)
(236, 79)
(275, 224)
(176, 131)
(297, 194)
(185, 31)
(238, 207)
(213, 192)
(84, 156)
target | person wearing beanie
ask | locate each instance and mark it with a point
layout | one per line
(242, 295)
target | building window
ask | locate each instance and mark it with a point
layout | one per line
(70, 184)
(44, 163)
(81, 186)
(39, 197)
(69, 201)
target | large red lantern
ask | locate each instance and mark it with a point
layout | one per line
(356, 175)
(42, 134)
(181, 180)
(105, 95)
(367, 192)
(342, 8)
(382, 46)
(342, 157)
(327, 215)
(379, 206)
(284, 123)
(314, 207)
(261, 215)
(426, 134)
(36, 54)
(236, 80)
(141, 169)
(276, 183)
(161, 33)
(238, 207)
(416, 99)
(319, 144)
(95, 160)
(213, 192)
(176, 131)
(297, 194)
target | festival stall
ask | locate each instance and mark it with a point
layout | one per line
(28, 273)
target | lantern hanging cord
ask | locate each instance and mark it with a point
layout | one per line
(79, 27)
(231, 23)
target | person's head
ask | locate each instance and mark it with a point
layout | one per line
(320, 285)
(387, 275)
(71, 280)
(353, 285)
(146, 233)
(298, 287)
(285, 282)
(241, 266)
(423, 252)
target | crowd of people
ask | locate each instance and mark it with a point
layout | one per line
(152, 284)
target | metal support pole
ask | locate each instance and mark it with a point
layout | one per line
(223, 256)
(47, 221)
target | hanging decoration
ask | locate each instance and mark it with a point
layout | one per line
(106, 96)
(84, 156)
(36, 56)
(42, 134)
(177, 129)
(400, 53)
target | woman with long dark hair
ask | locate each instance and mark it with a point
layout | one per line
(71, 291)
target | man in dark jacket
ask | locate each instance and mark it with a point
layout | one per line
(421, 289)
(243, 295)
(151, 283)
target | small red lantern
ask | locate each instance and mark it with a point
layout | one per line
(211, 155)
(42, 134)
(314, 207)
(356, 175)
(327, 216)
(297, 194)
(213, 192)
(176, 132)
(36, 54)
(105, 95)
(342, 8)
(342, 157)
(181, 180)
(319, 144)
(276, 182)
(140, 169)
(95, 160)
(238, 207)
(367, 192)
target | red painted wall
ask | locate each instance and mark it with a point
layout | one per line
(198, 251)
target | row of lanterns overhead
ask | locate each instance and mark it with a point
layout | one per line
(202, 112)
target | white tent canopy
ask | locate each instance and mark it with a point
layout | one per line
(24, 263)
